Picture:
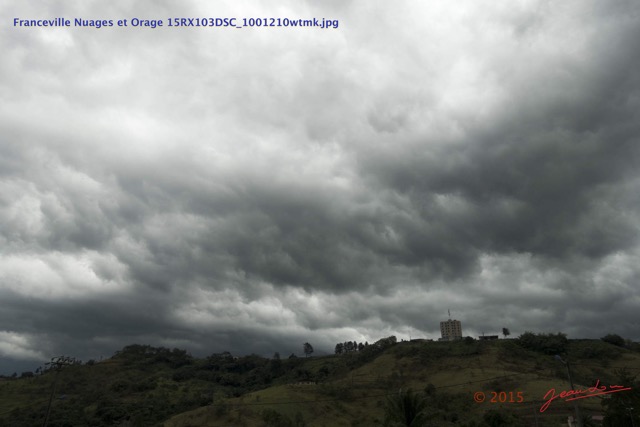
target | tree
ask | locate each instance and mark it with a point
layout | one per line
(339, 348)
(275, 364)
(307, 348)
(622, 408)
(505, 332)
(406, 409)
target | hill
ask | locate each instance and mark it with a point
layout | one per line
(146, 386)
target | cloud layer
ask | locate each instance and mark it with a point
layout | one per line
(250, 190)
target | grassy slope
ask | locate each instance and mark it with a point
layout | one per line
(413, 365)
(352, 393)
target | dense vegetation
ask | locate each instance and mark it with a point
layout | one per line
(140, 384)
(362, 385)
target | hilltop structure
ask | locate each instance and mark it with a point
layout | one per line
(451, 330)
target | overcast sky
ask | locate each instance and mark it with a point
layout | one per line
(252, 189)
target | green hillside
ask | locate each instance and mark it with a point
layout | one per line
(145, 386)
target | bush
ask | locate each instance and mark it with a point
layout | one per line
(633, 346)
(184, 374)
(614, 339)
(597, 350)
(544, 343)
(144, 385)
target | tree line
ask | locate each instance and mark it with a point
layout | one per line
(350, 347)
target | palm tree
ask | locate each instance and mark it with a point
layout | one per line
(406, 409)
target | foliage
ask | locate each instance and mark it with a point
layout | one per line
(367, 353)
(446, 406)
(622, 408)
(597, 350)
(139, 383)
(146, 354)
(406, 409)
(614, 339)
(544, 343)
(349, 347)
(307, 349)
(438, 350)
(511, 350)
(143, 385)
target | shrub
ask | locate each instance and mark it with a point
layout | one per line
(544, 343)
(595, 350)
(614, 339)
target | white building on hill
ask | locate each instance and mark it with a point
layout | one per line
(451, 330)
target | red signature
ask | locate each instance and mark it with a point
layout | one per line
(596, 390)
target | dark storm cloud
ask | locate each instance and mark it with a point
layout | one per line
(250, 190)
(531, 180)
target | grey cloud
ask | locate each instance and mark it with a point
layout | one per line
(255, 189)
